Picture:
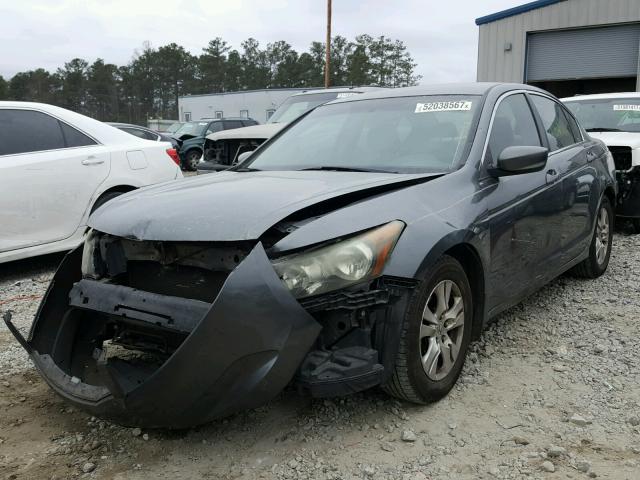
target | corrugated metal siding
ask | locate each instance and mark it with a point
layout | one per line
(257, 102)
(584, 53)
(496, 64)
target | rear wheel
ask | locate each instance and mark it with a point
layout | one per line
(435, 335)
(191, 160)
(600, 250)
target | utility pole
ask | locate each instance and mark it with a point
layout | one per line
(327, 67)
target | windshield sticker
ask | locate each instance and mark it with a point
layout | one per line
(345, 94)
(461, 106)
(626, 108)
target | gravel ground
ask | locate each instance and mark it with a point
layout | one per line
(551, 390)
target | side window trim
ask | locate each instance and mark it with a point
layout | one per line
(539, 124)
(570, 117)
(75, 128)
(562, 109)
(493, 117)
(57, 120)
(64, 135)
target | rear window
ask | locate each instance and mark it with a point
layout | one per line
(559, 132)
(75, 138)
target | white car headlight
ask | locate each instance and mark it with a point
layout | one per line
(341, 264)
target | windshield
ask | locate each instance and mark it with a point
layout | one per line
(610, 114)
(192, 128)
(296, 105)
(406, 134)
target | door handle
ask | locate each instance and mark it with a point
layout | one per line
(92, 161)
(551, 176)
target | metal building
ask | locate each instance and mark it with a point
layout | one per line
(256, 104)
(567, 47)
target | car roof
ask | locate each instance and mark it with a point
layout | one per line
(119, 124)
(602, 96)
(470, 88)
(338, 90)
(98, 130)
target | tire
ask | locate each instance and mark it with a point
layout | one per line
(104, 198)
(422, 329)
(598, 260)
(635, 225)
(191, 160)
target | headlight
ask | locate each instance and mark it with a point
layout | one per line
(341, 264)
(89, 252)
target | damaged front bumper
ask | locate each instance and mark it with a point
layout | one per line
(155, 360)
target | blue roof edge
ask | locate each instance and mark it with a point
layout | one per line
(510, 12)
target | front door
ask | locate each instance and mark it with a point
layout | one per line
(523, 211)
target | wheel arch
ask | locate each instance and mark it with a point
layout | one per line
(193, 147)
(610, 193)
(114, 189)
(470, 260)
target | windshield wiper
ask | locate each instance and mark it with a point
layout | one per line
(245, 169)
(332, 168)
(603, 129)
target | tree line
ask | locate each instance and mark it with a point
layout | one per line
(150, 84)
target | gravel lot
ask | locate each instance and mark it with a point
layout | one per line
(552, 390)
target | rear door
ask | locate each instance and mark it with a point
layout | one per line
(49, 172)
(570, 157)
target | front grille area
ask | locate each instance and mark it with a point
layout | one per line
(193, 270)
(621, 157)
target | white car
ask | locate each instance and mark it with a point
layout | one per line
(57, 166)
(614, 118)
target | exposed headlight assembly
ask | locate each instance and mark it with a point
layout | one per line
(341, 264)
(89, 253)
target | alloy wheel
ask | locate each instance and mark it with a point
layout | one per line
(602, 235)
(192, 160)
(442, 329)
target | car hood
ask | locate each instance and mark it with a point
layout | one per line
(265, 131)
(618, 139)
(233, 206)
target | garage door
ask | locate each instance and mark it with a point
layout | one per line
(584, 53)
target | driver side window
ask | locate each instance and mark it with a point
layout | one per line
(513, 125)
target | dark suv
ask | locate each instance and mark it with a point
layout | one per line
(191, 136)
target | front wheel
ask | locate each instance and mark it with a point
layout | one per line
(435, 335)
(600, 249)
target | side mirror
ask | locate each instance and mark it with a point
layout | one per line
(519, 160)
(242, 157)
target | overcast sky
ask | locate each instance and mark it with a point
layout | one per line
(441, 35)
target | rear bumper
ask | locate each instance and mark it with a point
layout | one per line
(240, 354)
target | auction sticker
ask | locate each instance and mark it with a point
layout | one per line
(460, 106)
(626, 108)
